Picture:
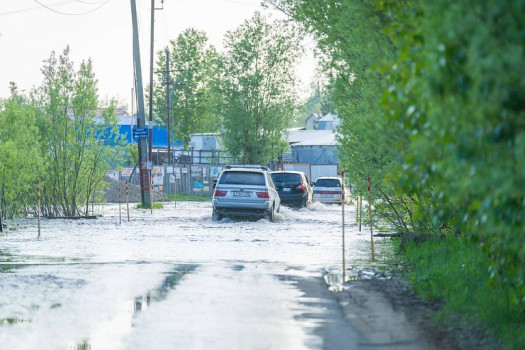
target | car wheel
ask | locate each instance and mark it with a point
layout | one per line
(215, 216)
(270, 215)
(304, 202)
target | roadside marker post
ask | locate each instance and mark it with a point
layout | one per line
(360, 205)
(343, 221)
(151, 194)
(119, 207)
(127, 199)
(356, 209)
(370, 214)
(38, 208)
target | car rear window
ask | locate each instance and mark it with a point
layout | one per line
(328, 183)
(283, 177)
(242, 178)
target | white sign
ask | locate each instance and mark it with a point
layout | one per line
(113, 174)
(126, 172)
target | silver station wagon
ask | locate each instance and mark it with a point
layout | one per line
(245, 191)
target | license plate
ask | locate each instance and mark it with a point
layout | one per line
(328, 196)
(241, 194)
(285, 189)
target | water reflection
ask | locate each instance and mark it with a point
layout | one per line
(160, 293)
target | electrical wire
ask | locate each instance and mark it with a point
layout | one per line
(72, 14)
(35, 8)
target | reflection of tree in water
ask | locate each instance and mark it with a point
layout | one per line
(159, 294)
(85, 345)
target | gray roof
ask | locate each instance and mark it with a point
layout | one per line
(329, 118)
(312, 138)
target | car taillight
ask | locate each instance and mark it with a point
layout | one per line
(264, 194)
(219, 193)
(301, 187)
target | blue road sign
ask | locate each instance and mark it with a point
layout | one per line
(140, 133)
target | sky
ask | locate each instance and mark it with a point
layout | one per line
(101, 30)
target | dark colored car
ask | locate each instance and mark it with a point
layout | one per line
(293, 188)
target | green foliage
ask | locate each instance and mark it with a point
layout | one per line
(450, 271)
(78, 145)
(155, 206)
(190, 197)
(256, 86)
(193, 64)
(20, 160)
(58, 136)
(432, 103)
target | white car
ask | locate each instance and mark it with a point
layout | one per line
(329, 189)
(245, 191)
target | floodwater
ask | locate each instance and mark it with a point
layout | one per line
(177, 280)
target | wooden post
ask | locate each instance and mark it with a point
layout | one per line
(356, 209)
(343, 221)
(360, 211)
(38, 208)
(127, 199)
(175, 186)
(151, 193)
(370, 214)
(119, 207)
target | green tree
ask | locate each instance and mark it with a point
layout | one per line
(20, 160)
(257, 86)
(79, 146)
(355, 41)
(193, 64)
(432, 101)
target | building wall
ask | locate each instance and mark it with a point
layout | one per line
(315, 154)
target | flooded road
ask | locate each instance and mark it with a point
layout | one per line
(178, 280)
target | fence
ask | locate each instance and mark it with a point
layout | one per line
(197, 178)
(179, 178)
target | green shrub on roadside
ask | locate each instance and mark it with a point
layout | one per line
(190, 197)
(454, 271)
(155, 206)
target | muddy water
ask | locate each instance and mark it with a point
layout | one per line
(174, 279)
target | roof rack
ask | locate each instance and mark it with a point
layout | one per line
(262, 167)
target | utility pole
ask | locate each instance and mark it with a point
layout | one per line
(168, 105)
(141, 119)
(152, 41)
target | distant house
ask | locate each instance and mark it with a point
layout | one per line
(313, 147)
(312, 151)
(206, 141)
(328, 122)
(311, 121)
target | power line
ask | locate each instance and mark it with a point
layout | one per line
(72, 14)
(35, 8)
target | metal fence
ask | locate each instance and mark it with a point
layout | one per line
(187, 178)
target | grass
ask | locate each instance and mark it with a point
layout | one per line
(455, 272)
(155, 206)
(190, 197)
